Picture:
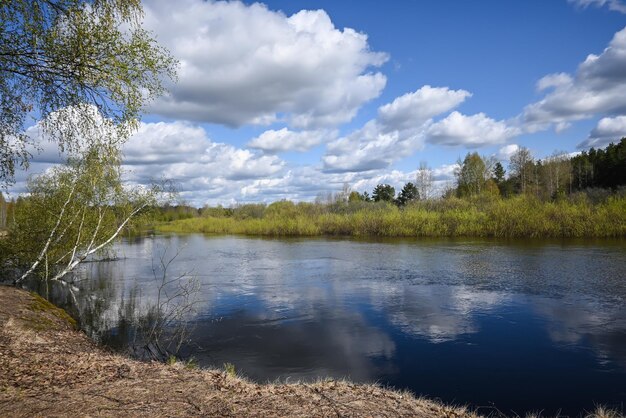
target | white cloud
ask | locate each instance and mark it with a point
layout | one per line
(209, 172)
(397, 132)
(274, 141)
(244, 64)
(442, 176)
(599, 86)
(182, 152)
(164, 143)
(606, 131)
(370, 148)
(414, 109)
(615, 5)
(553, 80)
(395, 178)
(470, 131)
(505, 153)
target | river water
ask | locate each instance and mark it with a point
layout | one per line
(518, 326)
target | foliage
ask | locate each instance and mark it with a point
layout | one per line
(482, 215)
(498, 173)
(471, 175)
(383, 192)
(6, 212)
(538, 199)
(522, 167)
(72, 212)
(408, 193)
(73, 54)
(603, 168)
(230, 369)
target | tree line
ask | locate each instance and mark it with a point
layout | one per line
(595, 172)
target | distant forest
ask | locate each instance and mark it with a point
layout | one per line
(559, 196)
(597, 173)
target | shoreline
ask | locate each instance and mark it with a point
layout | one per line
(48, 368)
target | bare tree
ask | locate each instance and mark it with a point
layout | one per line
(557, 173)
(344, 194)
(424, 181)
(521, 167)
(166, 322)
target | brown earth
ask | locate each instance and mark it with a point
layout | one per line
(48, 368)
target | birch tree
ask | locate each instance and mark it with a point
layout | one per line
(56, 54)
(73, 212)
(424, 181)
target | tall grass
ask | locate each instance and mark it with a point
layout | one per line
(483, 216)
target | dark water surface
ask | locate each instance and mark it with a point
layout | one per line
(522, 325)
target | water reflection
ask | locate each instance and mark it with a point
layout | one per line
(466, 321)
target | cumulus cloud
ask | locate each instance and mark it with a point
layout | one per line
(210, 172)
(243, 64)
(371, 147)
(505, 153)
(470, 131)
(606, 131)
(274, 141)
(183, 153)
(413, 109)
(615, 5)
(397, 132)
(204, 171)
(554, 80)
(599, 86)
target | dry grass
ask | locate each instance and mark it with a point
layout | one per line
(47, 368)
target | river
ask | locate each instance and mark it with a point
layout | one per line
(514, 325)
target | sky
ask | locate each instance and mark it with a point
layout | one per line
(292, 99)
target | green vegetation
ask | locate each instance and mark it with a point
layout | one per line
(230, 370)
(86, 69)
(40, 304)
(78, 55)
(480, 216)
(72, 212)
(557, 197)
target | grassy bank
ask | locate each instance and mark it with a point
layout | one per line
(485, 216)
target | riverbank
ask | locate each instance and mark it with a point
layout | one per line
(483, 216)
(48, 368)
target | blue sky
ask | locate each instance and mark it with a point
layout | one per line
(496, 49)
(292, 99)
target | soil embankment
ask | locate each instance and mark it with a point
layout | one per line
(47, 368)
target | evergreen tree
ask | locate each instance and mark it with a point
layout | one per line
(384, 193)
(408, 193)
(498, 173)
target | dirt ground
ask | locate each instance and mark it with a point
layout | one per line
(47, 368)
